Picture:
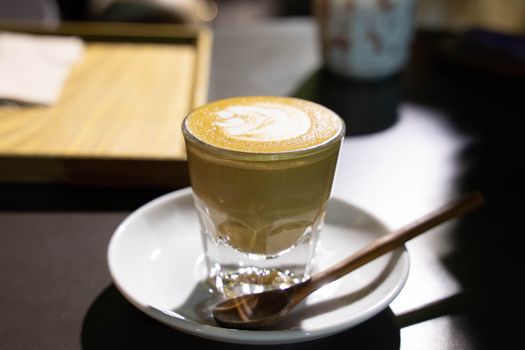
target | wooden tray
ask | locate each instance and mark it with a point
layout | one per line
(118, 119)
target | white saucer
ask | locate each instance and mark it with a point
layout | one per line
(156, 261)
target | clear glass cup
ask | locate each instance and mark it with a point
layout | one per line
(260, 213)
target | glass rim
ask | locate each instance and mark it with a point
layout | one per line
(263, 156)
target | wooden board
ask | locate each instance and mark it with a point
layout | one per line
(118, 119)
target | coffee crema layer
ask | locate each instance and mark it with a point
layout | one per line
(264, 124)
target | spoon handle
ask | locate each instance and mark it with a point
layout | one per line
(389, 242)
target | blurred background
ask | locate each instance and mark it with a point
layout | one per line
(500, 15)
(464, 90)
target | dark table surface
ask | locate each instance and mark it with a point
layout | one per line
(415, 140)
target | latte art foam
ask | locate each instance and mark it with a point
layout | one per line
(263, 122)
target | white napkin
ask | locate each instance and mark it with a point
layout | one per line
(33, 68)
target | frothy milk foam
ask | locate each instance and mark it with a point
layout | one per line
(261, 204)
(264, 124)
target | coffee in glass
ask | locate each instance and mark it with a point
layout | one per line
(261, 170)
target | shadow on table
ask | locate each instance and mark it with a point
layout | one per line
(487, 245)
(366, 107)
(487, 258)
(113, 323)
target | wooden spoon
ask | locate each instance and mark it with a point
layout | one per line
(260, 310)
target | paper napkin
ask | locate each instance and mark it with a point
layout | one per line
(33, 68)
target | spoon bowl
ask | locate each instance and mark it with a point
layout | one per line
(252, 311)
(259, 310)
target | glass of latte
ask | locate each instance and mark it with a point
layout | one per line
(261, 169)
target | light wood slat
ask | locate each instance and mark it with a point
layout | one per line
(118, 119)
(121, 100)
